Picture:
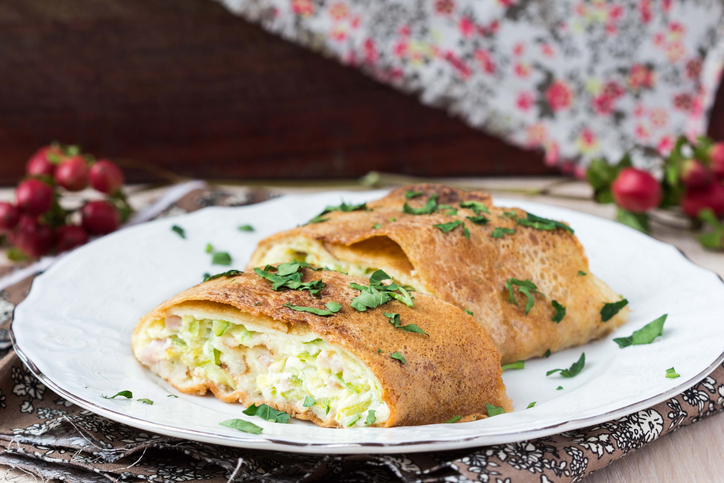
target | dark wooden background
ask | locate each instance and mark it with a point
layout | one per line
(186, 86)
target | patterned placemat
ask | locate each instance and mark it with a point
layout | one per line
(49, 437)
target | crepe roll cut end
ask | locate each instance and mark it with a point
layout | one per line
(237, 338)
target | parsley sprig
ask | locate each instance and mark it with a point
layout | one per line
(560, 311)
(525, 287)
(427, 209)
(476, 206)
(332, 308)
(644, 335)
(378, 293)
(267, 413)
(572, 371)
(289, 275)
(395, 320)
(540, 223)
(228, 273)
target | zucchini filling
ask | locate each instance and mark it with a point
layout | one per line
(294, 373)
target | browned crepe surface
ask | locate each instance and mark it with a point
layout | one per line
(454, 371)
(471, 273)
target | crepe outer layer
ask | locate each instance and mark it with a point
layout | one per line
(453, 372)
(470, 273)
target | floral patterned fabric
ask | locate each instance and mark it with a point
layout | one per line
(49, 437)
(579, 79)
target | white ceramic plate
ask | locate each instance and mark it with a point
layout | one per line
(74, 329)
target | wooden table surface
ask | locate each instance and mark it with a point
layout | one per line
(691, 454)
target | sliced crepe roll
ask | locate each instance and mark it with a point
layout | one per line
(472, 259)
(247, 342)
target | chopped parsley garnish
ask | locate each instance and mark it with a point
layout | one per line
(308, 402)
(344, 207)
(317, 219)
(531, 404)
(228, 273)
(256, 304)
(146, 401)
(126, 394)
(371, 418)
(378, 293)
(379, 350)
(671, 373)
(392, 219)
(289, 275)
(560, 311)
(493, 410)
(246, 228)
(172, 395)
(429, 207)
(547, 354)
(241, 425)
(179, 230)
(453, 419)
(478, 220)
(221, 258)
(581, 273)
(332, 308)
(540, 223)
(510, 214)
(501, 231)
(209, 248)
(466, 232)
(354, 419)
(399, 357)
(267, 413)
(412, 194)
(611, 309)
(376, 226)
(448, 227)
(476, 206)
(645, 335)
(559, 388)
(514, 365)
(468, 312)
(572, 371)
(525, 287)
(394, 319)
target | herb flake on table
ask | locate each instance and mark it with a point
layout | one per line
(221, 258)
(394, 319)
(246, 228)
(526, 287)
(448, 227)
(228, 273)
(560, 311)
(540, 223)
(209, 248)
(559, 388)
(609, 310)
(428, 208)
(572, 371)
(671, 373)
(126, 394)
(409, 194)
(453, 419)
(644, 335)
(531, 405)
(371, 418)
(241, 425)
(514, 365)
(476, 206)
(267, 413)
(180, 231)
(145, 401)
(332, 308)
(399, 357)
(547, 354)
(501, 231)
(289, 275)
(493, 410)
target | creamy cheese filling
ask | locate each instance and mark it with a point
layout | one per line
(267, 365)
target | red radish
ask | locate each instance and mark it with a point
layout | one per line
(33, 238)
(710, 197)
(695, 175)
(70, 236)
(636, 190)
(100, 217)
(9, 216)
(716, 159)
(106, 176)
(41, 163)
(72, 174)
(34, 197)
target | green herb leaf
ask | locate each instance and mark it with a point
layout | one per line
(540, 223)
(289, 275)
(466, 232)
(412, 194)
(344, 207)
(610, 309)
(371, 418)
(448, 227)
(267, 413)
(501, 231)
(468, 312)
(126, 394)
(514, 365)
(376, 226)
(547, 354)
(479, 220)
(399, 357)
(379, 350)
(637, 221)
(228, 273)
(531, 405)
(308, 402)
(559, 388)
(476, 206)
(560, 312)
(241, 425)
(317, 219)
(671, 373)
(378, 293)
(493, 410)
(392, 219)
(453, 419)
(172, 395)
(209, 248)
(714, 239)
(581, 273)
(429, 207)
(354, 419)
(369, 298)
(572, 371)
(525, 287)
(221, 258)
(246, 228)
(146, 401)
(645, 335)
(15, 254)
(332, 308)
(179, 230)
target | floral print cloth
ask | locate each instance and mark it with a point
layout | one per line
(47, 436)
(579, 79)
